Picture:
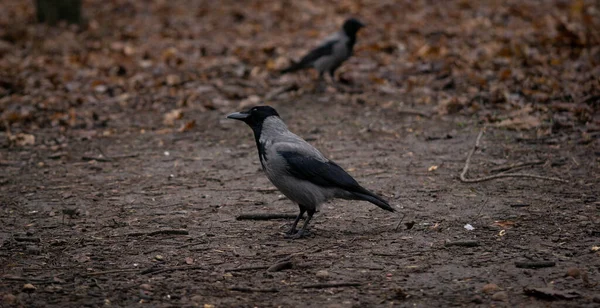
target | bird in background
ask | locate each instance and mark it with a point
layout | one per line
(299, 170)
(332, 52)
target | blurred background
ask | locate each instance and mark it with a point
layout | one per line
(518, 64)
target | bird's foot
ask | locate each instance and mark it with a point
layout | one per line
(291, 231)
(298, 235)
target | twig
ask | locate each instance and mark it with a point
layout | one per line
(517, 165)
(265, 216)
(125, 270)
(100, 159)
(27, 239)
(31, 280)
(250, 290)
(467, 243)
(535, 264)
(398, 225)
(247, 268)
(414, 112)
(331, 285)
(279, 266)
(171, 269)
(192, 244)
(497, 176)
(157, 232)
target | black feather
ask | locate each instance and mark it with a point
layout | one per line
(329, 174)
(311, 57)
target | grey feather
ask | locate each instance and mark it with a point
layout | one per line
(299, 170)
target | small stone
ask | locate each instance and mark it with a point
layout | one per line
(596, 299)
(196, 298)
(477, 299)
(146, 287)
(500, 296)
(9, 299)
(322, 274)
(33, 250)
(573, 272)
(159, 258)
(29, 288)
(489, 288)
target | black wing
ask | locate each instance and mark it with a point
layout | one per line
(329, 174)
(321, 51)
(326, 174)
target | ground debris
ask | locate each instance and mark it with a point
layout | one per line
(549, 293)
(534, 264)
(464, 243)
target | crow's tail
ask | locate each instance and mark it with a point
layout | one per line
(292, 68)
(373, 198)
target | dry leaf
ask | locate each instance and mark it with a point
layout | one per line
(172, 116)
(21, 139)
(525, 122)
(187, 126)
(505, 224)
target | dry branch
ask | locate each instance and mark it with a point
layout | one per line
(534, 264)
(265, 216)
(171, 269)
(247, 268)
(113, 271)
(279, 266)
(331, 285)
(250, 290)
(157, 232)
(463, 174)
(466, 243)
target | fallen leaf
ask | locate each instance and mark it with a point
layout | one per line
(21, 139)
(172, 116)
(505, 224)
(187, 126)
(524, 122)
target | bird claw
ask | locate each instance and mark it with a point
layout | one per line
(298, 235)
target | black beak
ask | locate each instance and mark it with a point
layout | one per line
(238, 116)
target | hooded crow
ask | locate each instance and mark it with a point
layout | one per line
(332, 52)
(298, 169)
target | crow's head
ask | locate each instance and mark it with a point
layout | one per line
(352, 25)
(255, 116)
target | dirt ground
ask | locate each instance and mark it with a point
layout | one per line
(130, 191)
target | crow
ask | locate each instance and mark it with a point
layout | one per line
(332, 52)
(299, 170)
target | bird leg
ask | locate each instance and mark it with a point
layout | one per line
(304, 232)
(293, 228)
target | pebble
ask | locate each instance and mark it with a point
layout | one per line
(500, 296)
(146, 287)
(573, 272)
(9, 299)
(196, 298)
(159, 257)
(489, 288)
(477, 299)
(28, 287)
(596, 299)
(322, 274)
(32, 249)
